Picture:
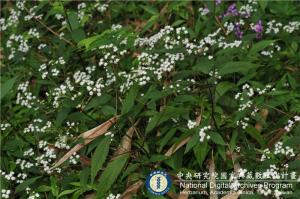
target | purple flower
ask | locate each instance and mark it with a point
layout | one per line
(232, 10)
(237, 31)
(258, 28)
(218, 2)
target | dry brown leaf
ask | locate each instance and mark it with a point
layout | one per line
(184, 194)
(134, 188)
(213, 191)
(172, 195)
(264, 114)
(88, 136)
(175, 147)
(90, 196)
(126, 142)
(233, 195)
(276, 138)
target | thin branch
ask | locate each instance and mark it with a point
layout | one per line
(51, 30)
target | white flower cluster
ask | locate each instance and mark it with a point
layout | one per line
(153, 40)
(111, 134)
(61, 17)
(34, 33)
(116, 26)
(112, 54)
(191, 124)
(265, 155)
(288, 151)
(101, 8)
(36, 126)
(41, 46)
(267, 53)
(274, 27)
(5, 193)
(279, 149)
(54, 71)
(17, 42)
(8, 176)
(24, 96)
(291, 123)
(61, 91)
(271, 173)
(243, 122)
(245, 96)
(21, 177)
(247, 9)
(81, 10)
(32, 14)
(202, 133)
(203, 11)
(24, 164)
(46, 159)
(93, 87)
(28, 152)
(61, 143)
(112, 196)
(12, 20)
(4, 126)
(168, 64)
(12, 177)
(74, 158)
(229, 27)
(223, 44)
(34, 195)
(292, 26)
(215, 75)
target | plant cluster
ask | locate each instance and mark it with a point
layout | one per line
(177, 86)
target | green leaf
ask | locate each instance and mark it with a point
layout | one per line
(217, 138)
(150, 23)
(222, 88)
(260, 46)
(129, 100)
(73, 18)
(78, 35)
(25, 184)
(200, 151)
(237, 67)
(168, 113)
(54, 186)
(150, 9)
(263, 4)
(166, 138)
(256, 135)
(99, 156)
(7, 86)
(110, 175)
(66, 192)
(43, 188)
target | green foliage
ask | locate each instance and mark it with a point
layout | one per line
(188, 81)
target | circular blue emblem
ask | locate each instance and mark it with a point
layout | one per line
(158, 182)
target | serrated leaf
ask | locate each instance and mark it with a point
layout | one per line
(260, 46)
(99, 156)
(217, 138)
(7, 86)
(256, 135)
(25, 184)
(110, 174)
(129, 100)
(237, 67)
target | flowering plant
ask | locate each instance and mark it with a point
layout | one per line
(95, 95)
